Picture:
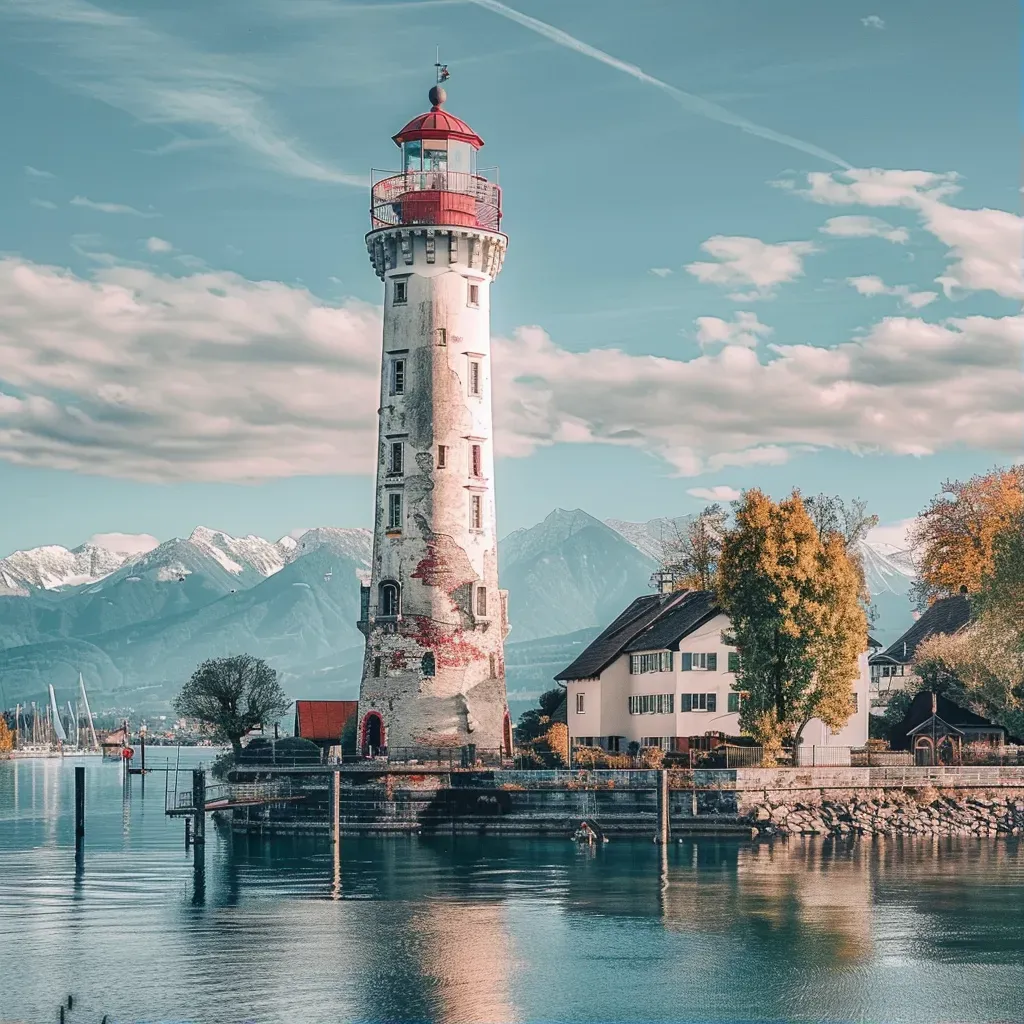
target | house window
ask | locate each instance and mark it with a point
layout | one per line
(396, 458)
(700, 661)
(476, 460)
(394, 511)
(442, 456)
(657, 742)
(734, 662)
(473, 298)
(401, 293)
(652, 704)
(733, 704)
(476, 512)
(481, 602)
(579, 704)
(659, 661)
(442, 336)
(398, 376)
(427, 664)
(474, 376)
(388, 600)
(699, 702)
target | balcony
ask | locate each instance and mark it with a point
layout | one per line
(450, 198)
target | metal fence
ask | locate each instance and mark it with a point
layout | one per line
(436, 197)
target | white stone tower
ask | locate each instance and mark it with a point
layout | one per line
(433, 616)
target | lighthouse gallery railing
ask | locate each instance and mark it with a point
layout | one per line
(401, 199)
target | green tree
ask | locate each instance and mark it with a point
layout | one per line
(794, 597)
(233, 696)
(535, 723)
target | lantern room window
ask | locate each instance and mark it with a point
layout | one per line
(413, 155)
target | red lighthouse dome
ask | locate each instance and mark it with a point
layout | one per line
(439, 183)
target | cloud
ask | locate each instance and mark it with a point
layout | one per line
(864, 227)
(43, 204)
(122, 61)
(720, 492)
(694, 104)
(124, 543)
(745, 330)
(873, 21)
(211, 376)
(871, 285)
(35, 172)
(155, 244)
(751, 262)
(661, 271)
(984, 246)
(109, 207)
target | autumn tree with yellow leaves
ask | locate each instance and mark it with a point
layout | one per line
(6, 737)
(955, 536)
(795, 597)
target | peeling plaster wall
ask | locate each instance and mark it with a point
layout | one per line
(438, 558)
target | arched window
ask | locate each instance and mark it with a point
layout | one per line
(389, 600)
(427, 664)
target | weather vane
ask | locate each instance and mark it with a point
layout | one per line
(442, 69)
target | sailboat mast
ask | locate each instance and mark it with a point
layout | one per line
(93, 744)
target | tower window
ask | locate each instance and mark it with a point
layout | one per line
(428, 665)
(376, 667)
(389, 594)
(473, 298)
(476, 460)
(394, 511)
(474, 376)
(481, 602)
(401, 295)
(442, 456)
(476, 512)
(398, 377)
(442, 335)
(396, 458)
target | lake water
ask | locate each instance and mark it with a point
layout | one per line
(459, 930)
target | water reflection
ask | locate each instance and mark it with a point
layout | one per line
(466, 929)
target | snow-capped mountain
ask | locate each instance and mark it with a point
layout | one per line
(888, 570)
(652, 536)
(53, 566)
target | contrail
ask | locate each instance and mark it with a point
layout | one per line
(695, 104)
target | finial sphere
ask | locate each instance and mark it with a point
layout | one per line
(437, 95)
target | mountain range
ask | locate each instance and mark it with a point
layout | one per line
(137, 620)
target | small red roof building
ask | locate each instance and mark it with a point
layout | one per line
(323, 720)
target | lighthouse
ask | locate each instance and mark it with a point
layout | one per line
(433, 616)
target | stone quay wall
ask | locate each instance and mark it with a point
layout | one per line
(745, 801)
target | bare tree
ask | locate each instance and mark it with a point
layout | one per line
(832, 514)
(233, 696)
(691, 557)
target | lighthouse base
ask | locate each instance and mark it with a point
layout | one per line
(399, 718)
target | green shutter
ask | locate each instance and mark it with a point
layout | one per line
(734, 701)
(687, 702)
(734, 661)
(712, 662)
(712, 702)
(687, 662)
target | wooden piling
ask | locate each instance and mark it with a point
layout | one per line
(79, 809)
(198, 806)
(188, 833)
(336, 808)
(663, 810)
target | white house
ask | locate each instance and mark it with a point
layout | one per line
(662, 675)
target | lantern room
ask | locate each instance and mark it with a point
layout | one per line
(439, 183)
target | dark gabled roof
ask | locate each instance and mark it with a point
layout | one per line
(609, 644)
(945, 616)
(674, 623)
(946, 710)
(873, 644)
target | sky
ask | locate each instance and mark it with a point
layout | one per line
(751, 244)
